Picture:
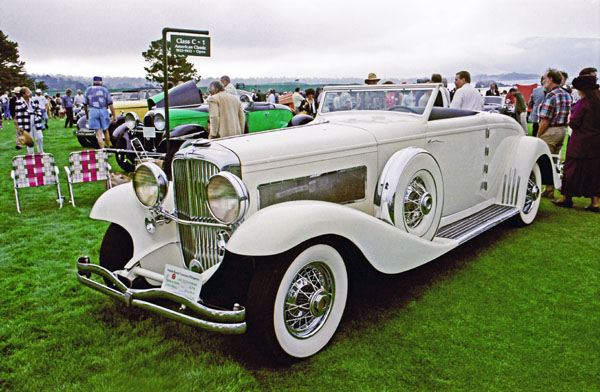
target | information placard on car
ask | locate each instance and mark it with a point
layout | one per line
(182, 281)
(149, 132)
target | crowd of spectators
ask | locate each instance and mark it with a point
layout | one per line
(555, 108)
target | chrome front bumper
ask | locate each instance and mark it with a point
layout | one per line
(216, 320)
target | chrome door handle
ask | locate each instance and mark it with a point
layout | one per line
(434, 141)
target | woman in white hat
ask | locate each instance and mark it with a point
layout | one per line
(28, 117)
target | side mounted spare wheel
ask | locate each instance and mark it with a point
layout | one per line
(410, 192)
(296, 301)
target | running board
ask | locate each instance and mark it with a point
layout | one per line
(471, 226)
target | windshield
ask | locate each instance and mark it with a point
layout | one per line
(401, 99)
(494, 100)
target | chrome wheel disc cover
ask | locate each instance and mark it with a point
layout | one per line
(532, 193)
(418, 203)
(309, 300)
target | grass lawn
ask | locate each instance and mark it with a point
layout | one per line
(515, 309)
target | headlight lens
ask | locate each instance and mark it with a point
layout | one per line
(159, 121)
(150, 184)
(227, 197)
(131, 120)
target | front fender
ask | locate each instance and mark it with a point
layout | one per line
(121, 131)
(119, 205)
(280, 227)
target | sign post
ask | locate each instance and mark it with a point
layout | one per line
(188, 45)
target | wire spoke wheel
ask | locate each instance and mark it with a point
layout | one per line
(531, 199)
(309, 300)
(419, 206)
(532, 193)
(417, 203)
(296, 301)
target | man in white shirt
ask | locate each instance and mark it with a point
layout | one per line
(466, 96)
(44, 105)
(78, 99)
(272, 97)
(297, 98)
(226, 81)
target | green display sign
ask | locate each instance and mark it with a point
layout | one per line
(190, 45)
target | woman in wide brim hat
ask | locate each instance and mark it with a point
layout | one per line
(372, 79)
(581, 177)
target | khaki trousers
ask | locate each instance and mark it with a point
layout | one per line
(554, 138)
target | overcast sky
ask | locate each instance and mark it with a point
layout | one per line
(326, 38)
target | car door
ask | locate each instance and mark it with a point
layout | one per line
(459, 145)
(265, 116)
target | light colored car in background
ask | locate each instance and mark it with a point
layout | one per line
(134, 100)
(275, 222)
(498, 104)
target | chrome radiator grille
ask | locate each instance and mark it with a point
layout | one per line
(190, 177)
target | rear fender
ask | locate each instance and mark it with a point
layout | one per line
(187, 129)
(280, 227)
(527, 153)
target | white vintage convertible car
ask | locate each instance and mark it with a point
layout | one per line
(259, 232)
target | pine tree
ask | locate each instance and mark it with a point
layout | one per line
(12, 70)
(180, 70)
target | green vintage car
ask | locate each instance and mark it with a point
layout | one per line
(188, 118)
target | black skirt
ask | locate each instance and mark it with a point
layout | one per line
(581, 177)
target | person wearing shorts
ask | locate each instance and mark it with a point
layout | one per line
(97, 101)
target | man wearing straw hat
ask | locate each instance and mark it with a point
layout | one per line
(372, 79)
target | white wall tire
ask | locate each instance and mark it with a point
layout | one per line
(297, 305)
(531, 203)
(411, 193)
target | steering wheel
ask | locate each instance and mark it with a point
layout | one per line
(401, 108)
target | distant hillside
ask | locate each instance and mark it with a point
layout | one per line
(62, 82)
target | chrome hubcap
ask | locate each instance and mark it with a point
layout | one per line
(319, 303)
(418, 202)
(426, 203)
(309, 300)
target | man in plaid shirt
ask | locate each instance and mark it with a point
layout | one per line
(554, 116)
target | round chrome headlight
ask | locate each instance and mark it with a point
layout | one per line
(131, 120)
(227, 197)
(150, 184)
(159, 121)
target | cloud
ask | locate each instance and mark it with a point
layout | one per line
(334, 38)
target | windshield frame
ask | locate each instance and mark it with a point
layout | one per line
(354, 89)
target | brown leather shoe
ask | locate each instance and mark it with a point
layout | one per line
(548, 194)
